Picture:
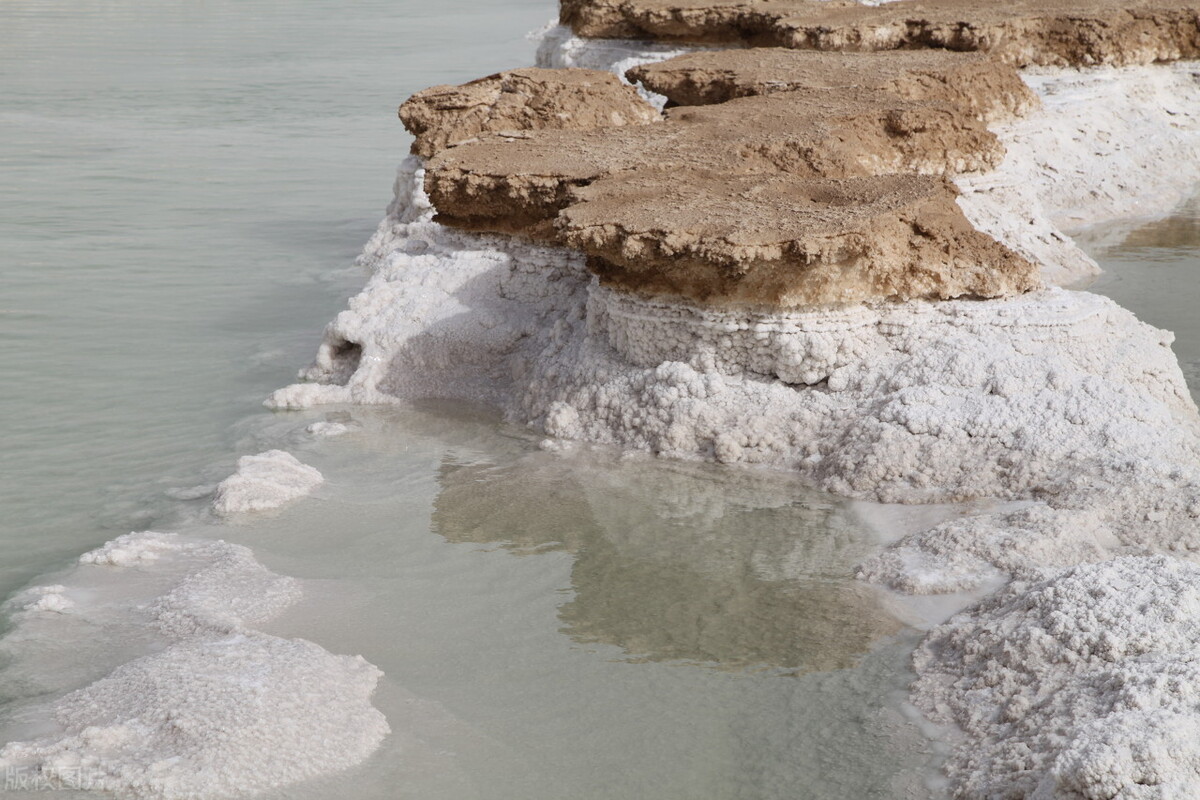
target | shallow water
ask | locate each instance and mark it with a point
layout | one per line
(1151, 268)
(186, 187)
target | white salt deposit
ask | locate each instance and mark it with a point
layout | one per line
(1081, 685)
(1107, 143)
(328, 430)
(212, 707)
(917, 401)
(265, 481)
(212, 717)
(40, 599)
(559, 48)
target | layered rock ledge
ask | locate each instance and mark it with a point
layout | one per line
(521, 100)
(1024, 32)
(787, 242)
(973, 81)
(811, 195)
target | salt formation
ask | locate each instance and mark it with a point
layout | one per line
(1106, 144)
(216, 708)
(327, 429)
(1083, 684)
(936, 401)
(223, 717)
(265, 481)
(677, 326)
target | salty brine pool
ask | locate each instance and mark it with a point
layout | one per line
(186, 187)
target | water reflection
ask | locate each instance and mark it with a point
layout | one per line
(680, 561)
(1180, 230)
(1151, 271)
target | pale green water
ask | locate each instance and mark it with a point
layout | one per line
(1152, 271)
(181, 184)
(184, 189)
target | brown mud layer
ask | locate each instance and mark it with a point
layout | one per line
(521, 100)
(809, 195)
(787, 241)
(1021, 32)
(512, 183)
(965, 80)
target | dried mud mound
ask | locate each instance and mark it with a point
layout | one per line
(1058, 32)
(521, 100)
(974, 81)
(660, 208)
(787, 241)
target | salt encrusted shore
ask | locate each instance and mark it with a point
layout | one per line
(209, 706)
(1073, 681)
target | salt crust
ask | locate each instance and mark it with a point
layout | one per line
(328, 430)
(263, 482)
(559, 48)
(1106, 144)
(909, 402)
(220, 710)
(1084, 684)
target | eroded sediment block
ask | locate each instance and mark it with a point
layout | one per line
(1057, 32)
(521, 100)
(510, 183)
(991, 89)
(761, 199)
(787, 241)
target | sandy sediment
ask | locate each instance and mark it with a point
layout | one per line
(975, 81)
(1055, 33)
(521, 100)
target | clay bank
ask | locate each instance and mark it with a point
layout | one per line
(837, 247)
